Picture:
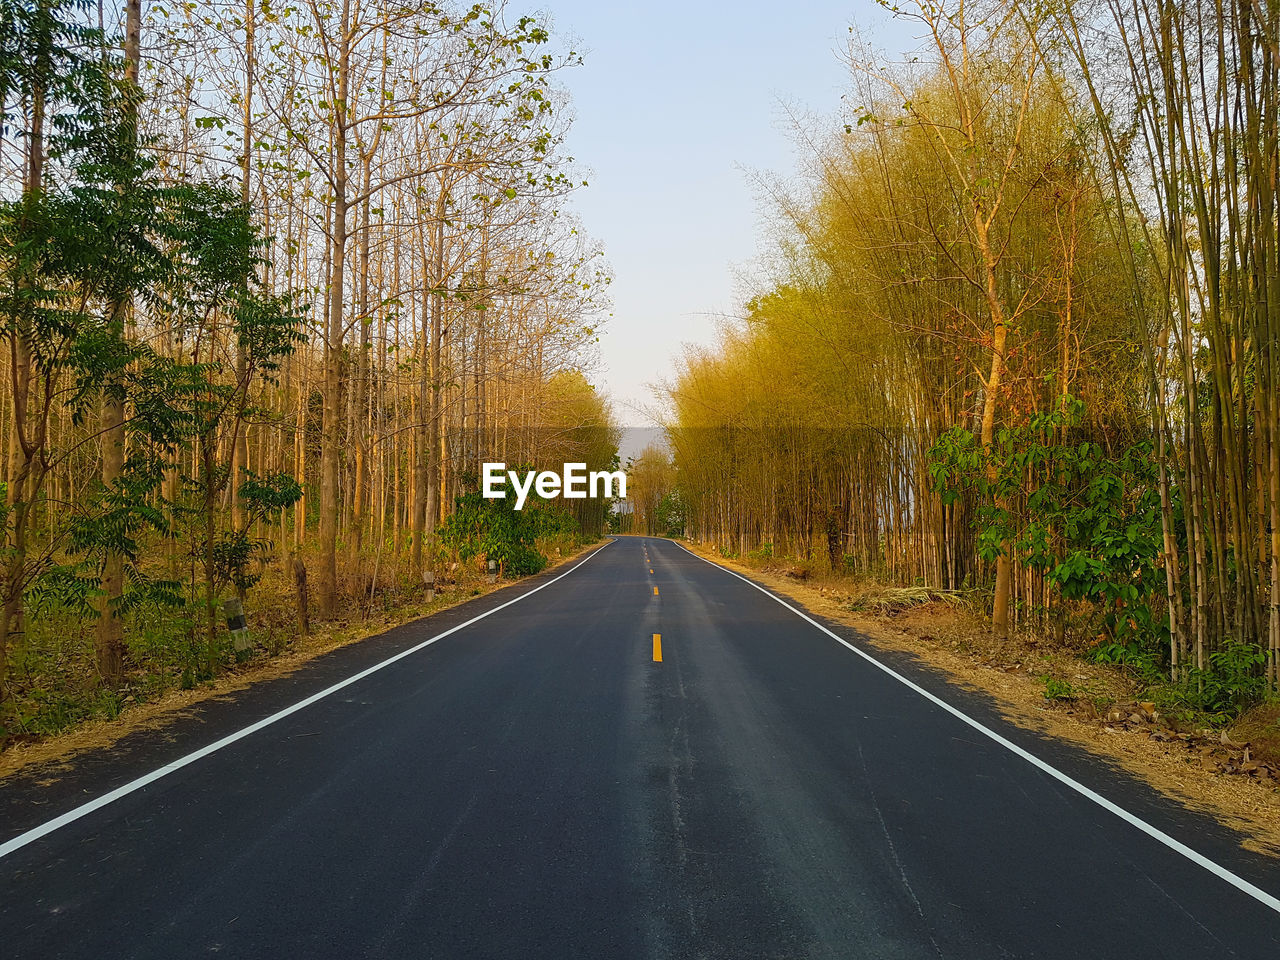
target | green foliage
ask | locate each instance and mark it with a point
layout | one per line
(265, 497)
(655, 507)
(48, 46)
(106, 230)
(125, 280)
(671, 514)
(1232, 681)
(582, 431)
(1055, 689)
(1089, 521)
(45, 710)
(1139, 655)
(204, 258)
(495, 530)
(66, 587)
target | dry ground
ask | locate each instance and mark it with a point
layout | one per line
(1234, 775)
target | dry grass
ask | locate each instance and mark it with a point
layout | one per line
(1203, 770)
(1261, 727)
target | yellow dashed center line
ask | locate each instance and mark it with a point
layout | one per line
(657, 648)
(655, 591)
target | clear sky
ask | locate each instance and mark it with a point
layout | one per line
(674, 100)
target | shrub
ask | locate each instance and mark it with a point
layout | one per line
(495, 530)
(1232, 681)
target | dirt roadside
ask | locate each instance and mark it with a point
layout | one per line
(173, 705)
(1227, 776)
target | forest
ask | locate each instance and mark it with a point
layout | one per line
(1017, 336)
(275, 280)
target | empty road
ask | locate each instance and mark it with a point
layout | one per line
(645, 757)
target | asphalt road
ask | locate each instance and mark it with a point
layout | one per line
(537, 784)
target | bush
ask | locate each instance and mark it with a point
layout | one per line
(495, 530)
(1134, 654)
(1055, 689)
(671, 515)
(1089, 521)
(1233, 681)
(522, 561)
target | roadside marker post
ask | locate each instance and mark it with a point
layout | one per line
(238, 627)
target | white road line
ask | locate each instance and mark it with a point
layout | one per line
(35, 833)
(1176, 845)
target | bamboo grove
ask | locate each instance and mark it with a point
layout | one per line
(1020, 331)
(277, 278)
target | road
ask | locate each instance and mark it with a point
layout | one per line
(538, 784)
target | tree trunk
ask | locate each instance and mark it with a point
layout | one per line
(240, 452)
(109, 635)
(331, 438)
(999, 335)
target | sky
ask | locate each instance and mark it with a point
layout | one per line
(675, 105)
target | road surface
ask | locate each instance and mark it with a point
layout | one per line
(646, 757)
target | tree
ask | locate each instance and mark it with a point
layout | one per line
(110, 634)
(650, 480)
(989, 68)
(477, 62)
(453, 305)
(71, 126)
